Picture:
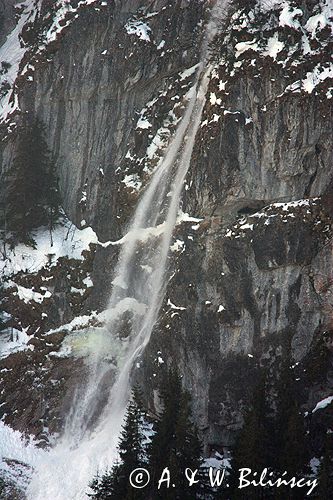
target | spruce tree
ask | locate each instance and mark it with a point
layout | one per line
(291, 442)
(294, 455)
(175, 444)
(2, 488)
(131, 446)
(32, 197)
(325, 476)
(162, 442)
(18, 202)
(114, 484)
(252, 447)
(53, 200)
(107, 487)
(185, 451)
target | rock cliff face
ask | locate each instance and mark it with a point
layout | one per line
(244, 296)
(7, 18)
(252, 281)
(89, 86)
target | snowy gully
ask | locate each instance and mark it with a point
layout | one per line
(140, 478)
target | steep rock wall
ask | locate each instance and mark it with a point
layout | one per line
(245, 296)
(89, 87)
(7, 18)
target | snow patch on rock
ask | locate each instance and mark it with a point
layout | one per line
(140, 29)
(66, 241)
(323, 404)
